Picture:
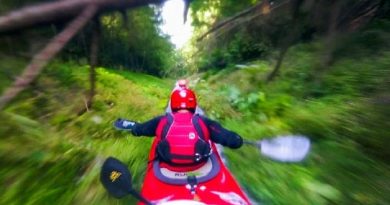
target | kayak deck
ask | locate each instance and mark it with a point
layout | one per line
(210, 184)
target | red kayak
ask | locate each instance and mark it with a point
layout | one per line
(210, 183)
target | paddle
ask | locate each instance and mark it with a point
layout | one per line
(292, 148)
(116, 178)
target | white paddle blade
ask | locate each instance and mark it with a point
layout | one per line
(182, 202)
(286, 148)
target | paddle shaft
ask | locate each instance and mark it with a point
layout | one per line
(252, 143)
(139, 197)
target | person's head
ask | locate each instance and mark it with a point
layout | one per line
(183, 99)
(181, 84)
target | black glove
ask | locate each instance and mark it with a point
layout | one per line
(122, 124)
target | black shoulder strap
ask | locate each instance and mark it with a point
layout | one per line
(198, 128)
(166, 127)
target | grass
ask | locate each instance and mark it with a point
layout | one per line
(340, 111)
(49, 154)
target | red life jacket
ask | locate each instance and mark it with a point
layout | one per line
(183, 140)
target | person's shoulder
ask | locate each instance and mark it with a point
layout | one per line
(157, 118)
(206, 120)
(161, 116)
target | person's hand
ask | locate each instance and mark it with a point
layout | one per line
(122, 124)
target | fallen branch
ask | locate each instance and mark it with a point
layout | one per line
(62, 10)
(43, 57)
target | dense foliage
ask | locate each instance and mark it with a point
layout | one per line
(223, 49)
(133, 42)
(247, 30)
(345, 116)
(129, 40)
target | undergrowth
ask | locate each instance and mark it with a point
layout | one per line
(50, 154)
(343, 111)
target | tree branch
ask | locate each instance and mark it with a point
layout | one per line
(60, 10)
(42, 58)
(231, 19)
(259, 9)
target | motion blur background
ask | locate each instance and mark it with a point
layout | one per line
(262, 68)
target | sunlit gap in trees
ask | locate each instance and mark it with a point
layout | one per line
(173, 25)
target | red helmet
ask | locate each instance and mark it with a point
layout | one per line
(183, 99)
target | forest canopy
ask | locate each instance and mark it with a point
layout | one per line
(130, 39)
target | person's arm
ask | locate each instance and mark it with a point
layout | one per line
(147, 128)
(222, 136)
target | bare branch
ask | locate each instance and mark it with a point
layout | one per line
(260, 9)
(231, 19)
(42, 58)
(60, 10)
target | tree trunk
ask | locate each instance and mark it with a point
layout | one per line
(330, 39)
(62, 10)
(278, 65)
(43, 57)
(93, 62)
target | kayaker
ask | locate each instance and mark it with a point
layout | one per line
(182, 84)
(184, 134)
